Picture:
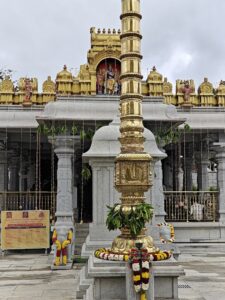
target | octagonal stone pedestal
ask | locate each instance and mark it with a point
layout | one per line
(106, 280)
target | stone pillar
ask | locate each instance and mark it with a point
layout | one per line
(157, 192)
(3, 176)
(23, 177)
(103, 184)
(3, 173)
(202, 171)
(13, 184)
(220, 156)
(31, 176)
(187, 168)
(64, 149)
(168, 173)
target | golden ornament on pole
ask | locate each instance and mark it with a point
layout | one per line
(133, 175)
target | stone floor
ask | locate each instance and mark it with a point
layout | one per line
(205, 276)
(28, 277)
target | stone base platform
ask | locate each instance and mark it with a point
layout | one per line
(107, 280)
(69, 266)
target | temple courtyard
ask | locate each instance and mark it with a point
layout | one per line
(28, 276)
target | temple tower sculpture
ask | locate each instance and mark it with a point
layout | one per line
(132, 178)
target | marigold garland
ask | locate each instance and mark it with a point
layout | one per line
(140, 263)
(106, 254)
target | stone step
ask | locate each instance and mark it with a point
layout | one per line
(81, 233)
(82, 226)
(189, 248)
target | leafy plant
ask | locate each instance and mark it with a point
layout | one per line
(173, 135)
(86, 173)
(131, 217)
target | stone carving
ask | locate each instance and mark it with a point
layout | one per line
(7, 85)
(49, 86)
(64, 82)
(187, 90)
(6, 91)
(168, 92)
(155, 81)
(220, 92)
(185, 93)
(62, 243)
(28, 92)
(206, 93)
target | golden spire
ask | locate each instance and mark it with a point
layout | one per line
(133, 164)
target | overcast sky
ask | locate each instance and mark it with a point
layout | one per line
(184, 38)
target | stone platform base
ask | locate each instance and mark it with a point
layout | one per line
(69, 266)
(188, 232)
(90, 246)
(105, 280)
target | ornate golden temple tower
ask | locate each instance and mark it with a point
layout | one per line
(132, 177)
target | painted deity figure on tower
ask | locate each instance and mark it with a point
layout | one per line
(187, 90)
(110, 76)
(28, 92)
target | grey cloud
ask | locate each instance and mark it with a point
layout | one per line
(183, 38)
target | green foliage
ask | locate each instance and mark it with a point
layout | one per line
(52, 130)
(213, 189)
(131, 217)
(86, 173)
(194, 188)
(173, 135)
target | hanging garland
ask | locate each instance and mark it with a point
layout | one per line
(140, 261)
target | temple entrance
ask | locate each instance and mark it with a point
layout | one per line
(108, 77)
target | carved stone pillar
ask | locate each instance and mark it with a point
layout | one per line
(202, 171)
(3, 173)
(220, 156)
(31, 176)
(64, 149)
(157, 192)
(187, 167)
(23, 177)
(13, 167)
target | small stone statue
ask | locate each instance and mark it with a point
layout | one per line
(61, 247)
(187, 90)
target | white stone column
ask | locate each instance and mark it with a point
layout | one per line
(202, 171)
(187, 179)
(104, 194)
(64, 149)
(220, 156)
(23, 177)
(13, 184)
(3, 177)
(157, 193)
(3, 171)
(31, 175)
(188, 167)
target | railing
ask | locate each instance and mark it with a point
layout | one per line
(191, 206)
(29, 201)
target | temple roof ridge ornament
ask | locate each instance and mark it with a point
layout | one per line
(154, 75)
(64, 75)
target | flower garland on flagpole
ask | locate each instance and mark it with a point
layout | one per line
(106, 254)
(140, 261)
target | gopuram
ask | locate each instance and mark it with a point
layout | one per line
(58, 147)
